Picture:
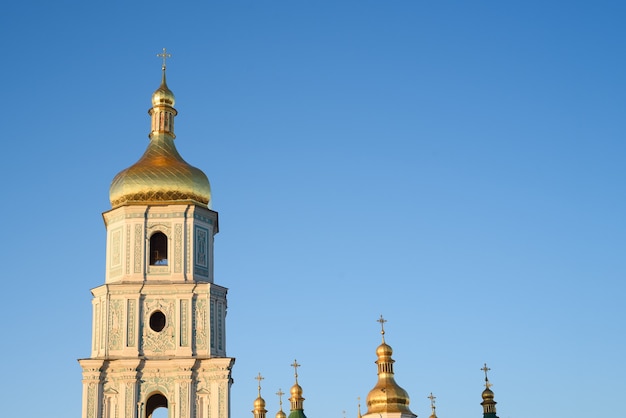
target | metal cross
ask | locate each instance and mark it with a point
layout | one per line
(165, 56)
(259, 378)
(485, 369)
(382, 325)
(432, 401)
(295, 366)
(280, 394)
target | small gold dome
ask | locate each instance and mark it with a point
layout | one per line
(296, 391)
(163, 95)
(259, 403)
(488, 394)
(384, 351)
(281, 414)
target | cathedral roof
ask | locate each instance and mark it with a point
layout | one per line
(161, 176)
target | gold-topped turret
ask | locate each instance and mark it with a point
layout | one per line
(296, 399)
(432, 405)
(387, 395)
(488, 403)
(161, 176)
(280, 413)
(259, 410)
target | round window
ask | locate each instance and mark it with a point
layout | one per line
(157, 321)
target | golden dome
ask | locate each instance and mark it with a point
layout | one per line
(384, 350)
(281, 414)
(259, 403)
(387, 395)
(161, 176)
(488, 394)
(296, 391)
(163, 95)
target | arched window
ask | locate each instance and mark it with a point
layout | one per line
(154, 402)
(158, 249)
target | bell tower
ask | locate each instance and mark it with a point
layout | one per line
(158, 328)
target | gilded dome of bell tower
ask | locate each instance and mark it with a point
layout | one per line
(161, 176)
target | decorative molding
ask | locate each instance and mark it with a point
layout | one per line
(129, 399)
(220, 328)
(161, 341)
(203, 218)
(130, 327)
(116, 248)
(116, 323)
(91, 395)
(138, 247)
(166, 228)
(199, 325)
(184, 398)
(178, 244)
(212, 319)
(184, 337)
(127, 249)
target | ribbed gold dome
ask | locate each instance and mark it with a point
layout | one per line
(387, 395)
(161, 176)
(281, 414)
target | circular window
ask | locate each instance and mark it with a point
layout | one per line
(157, 321)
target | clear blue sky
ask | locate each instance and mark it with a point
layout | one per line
(455, 166)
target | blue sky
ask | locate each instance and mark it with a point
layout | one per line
(455, 166)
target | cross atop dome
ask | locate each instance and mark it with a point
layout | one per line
(165, 55)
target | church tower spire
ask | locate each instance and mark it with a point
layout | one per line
(432, 405)
(387, 399)
(280, 413)
(259, 410)
(159, 334)
(296, 399)
(489, 405)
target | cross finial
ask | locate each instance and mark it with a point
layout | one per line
(382, 326)
(432, 401)
(280, 394)
(259, 378)
(295, 366)
(486, 369)
(165, 56)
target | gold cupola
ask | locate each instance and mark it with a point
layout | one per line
(161, 176)
(296, 399)
(432, 405)
(488, 403)
(259, 410)
(387, 395)
(280, 413)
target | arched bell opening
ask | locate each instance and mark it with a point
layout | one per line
(156, 401)
(158, 249)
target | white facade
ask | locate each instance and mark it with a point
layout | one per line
(158, 329)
